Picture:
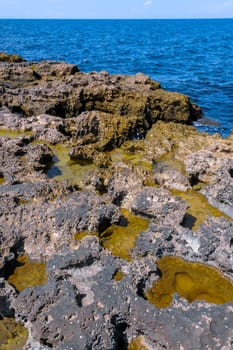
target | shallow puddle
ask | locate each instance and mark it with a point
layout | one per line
(119, 154)
(65, 169)
(121, 239)
(14, 133)
(191, 280)
(199, 208)
(28, 274)
(13, 336)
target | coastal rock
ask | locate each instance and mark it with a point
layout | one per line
(157, 203)
(82, 304)
(220, 195)
(126, 106)
(212, 164)
(4, 57)
(215, 243)
(22, 161)
(124, 152)
(53, 224)
(168, 177)
(122, 183)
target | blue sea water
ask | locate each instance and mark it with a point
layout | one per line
(194, 57)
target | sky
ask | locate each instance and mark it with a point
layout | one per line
(116, 9)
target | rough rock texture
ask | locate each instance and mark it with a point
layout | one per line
(52, 223)
(55, 119)
(59, 89)
(158, 204)
(21, 160)
(4, 57)
(97, 312)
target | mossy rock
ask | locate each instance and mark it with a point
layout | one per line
(4, 57)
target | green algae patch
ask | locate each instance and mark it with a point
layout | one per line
(199, 208)
(13, 336)
(121, 239)
(14, 133)
(28, 274)
(65, 169)
(191, 280)
(137, 344)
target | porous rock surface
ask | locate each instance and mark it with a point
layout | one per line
(139, 138)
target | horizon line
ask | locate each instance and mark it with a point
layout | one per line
(109, 18)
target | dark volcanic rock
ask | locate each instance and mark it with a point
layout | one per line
(220, 195)
(22, 161)
(51, 224)
(159, 204)
(82, 304)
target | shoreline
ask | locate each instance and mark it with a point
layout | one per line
(83, 253)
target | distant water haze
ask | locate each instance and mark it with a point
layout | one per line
(194, 57)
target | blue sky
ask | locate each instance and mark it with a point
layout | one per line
(116, 8)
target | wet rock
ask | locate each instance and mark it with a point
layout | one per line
(82, 154)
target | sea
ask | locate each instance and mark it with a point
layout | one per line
(191, 56)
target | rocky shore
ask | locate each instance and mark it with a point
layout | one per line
(115, 214)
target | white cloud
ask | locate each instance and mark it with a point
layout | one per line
(147, 3)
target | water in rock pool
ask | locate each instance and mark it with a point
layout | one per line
(192, 56)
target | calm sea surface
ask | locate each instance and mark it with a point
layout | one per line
(194, 57)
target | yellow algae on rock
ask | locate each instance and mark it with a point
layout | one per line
(2, 180)
(80, 235)
(28, 274)
(13, 335)
(137, 344)
(191, 280)
(199, 207)
(118, 275)
(121, 239)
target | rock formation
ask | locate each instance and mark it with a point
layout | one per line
(83, 158)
